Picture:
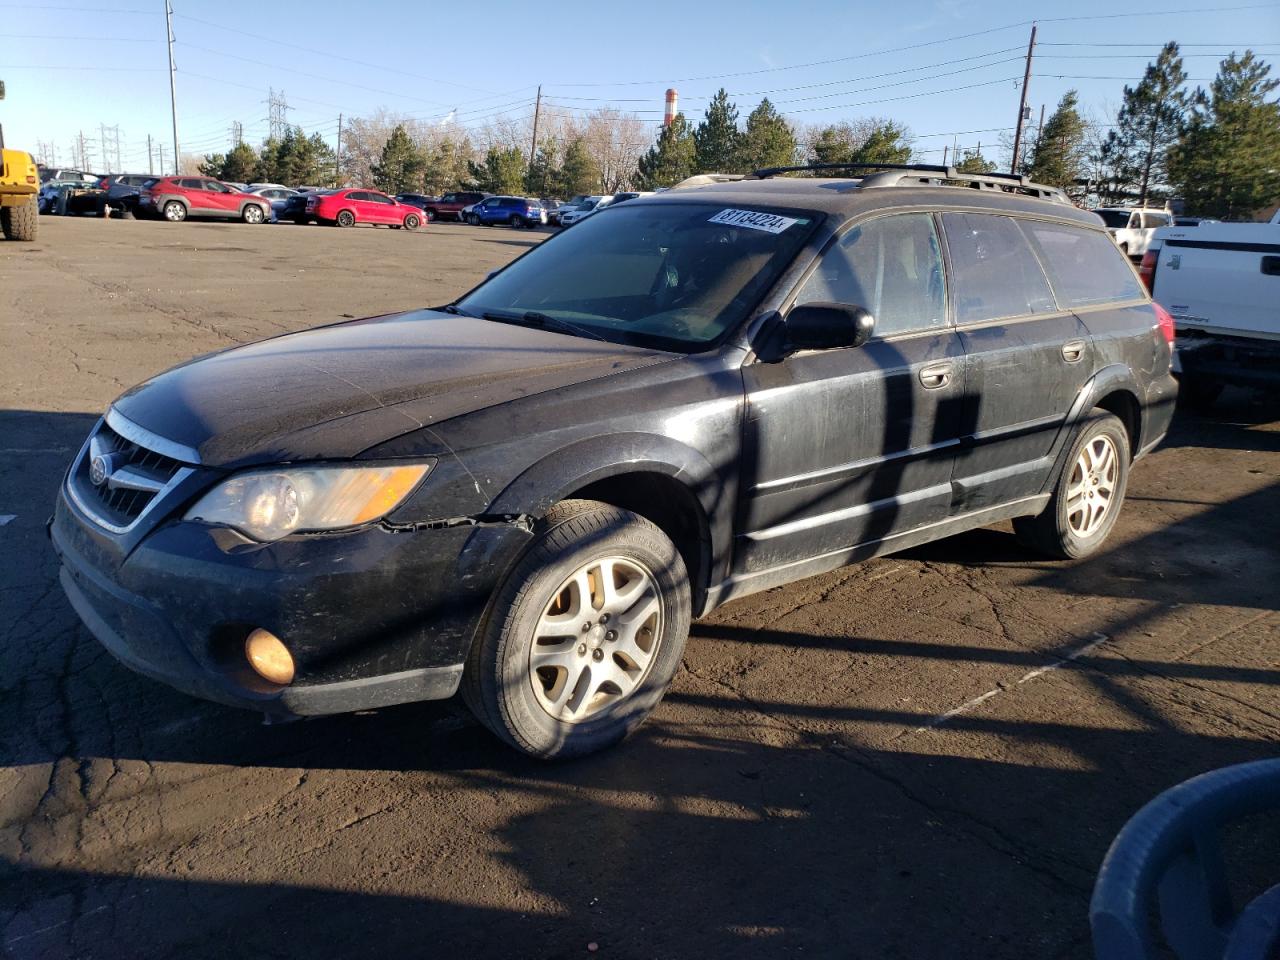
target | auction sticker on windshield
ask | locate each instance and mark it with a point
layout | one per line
(753, 220)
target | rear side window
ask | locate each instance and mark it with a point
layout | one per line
(892, 266)
(1085, 266)
(994, 272)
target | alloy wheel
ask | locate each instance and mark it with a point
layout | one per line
(1091, 486)
(596, 639)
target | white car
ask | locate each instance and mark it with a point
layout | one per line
(1133, 227)
(582, 209)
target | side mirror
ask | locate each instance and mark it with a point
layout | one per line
(827, 326)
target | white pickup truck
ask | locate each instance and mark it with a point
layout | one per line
(1221, 283)
(1133, 227)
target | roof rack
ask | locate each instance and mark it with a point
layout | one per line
(897, 174)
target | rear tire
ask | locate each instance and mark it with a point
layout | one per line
(517, 222)
(175, 211)
(21, 222)
(1088, 494)
(346, 219)
(595, 685)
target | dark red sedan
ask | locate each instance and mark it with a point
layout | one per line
(346, 208)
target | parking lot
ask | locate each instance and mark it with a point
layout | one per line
(925, 755)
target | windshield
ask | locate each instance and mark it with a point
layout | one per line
(675, 276)
(1116, 219)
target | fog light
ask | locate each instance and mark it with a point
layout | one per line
(269, 657)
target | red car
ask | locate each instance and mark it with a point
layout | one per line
(176, 198)
(346, 208)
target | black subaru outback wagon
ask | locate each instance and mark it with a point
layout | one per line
(529, 493)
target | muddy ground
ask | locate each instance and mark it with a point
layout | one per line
(794, 794)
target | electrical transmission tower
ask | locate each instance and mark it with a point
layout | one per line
(277, 110)
(237, 134)
(110, 148)
(83, 152)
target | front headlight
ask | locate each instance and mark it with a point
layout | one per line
(269, 504)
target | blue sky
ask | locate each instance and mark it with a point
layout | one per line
(947, 68)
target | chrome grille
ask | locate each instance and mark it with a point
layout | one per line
(130, 477)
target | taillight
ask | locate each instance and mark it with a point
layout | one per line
(1164, 320)
(102, 184)
(1147, 271)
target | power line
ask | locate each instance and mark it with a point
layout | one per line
(63, 36)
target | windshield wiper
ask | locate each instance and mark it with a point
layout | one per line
(456, 310)
(532, 318)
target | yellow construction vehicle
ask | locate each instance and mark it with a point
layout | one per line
(19, 184)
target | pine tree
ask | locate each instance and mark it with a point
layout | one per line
(717, 137)
(972, 161)
(1149, 123)
(401, 165)
(540, 178)
(445, 166)
(669, 160)
(887, 143)
(501, 172)
(296, 159)
(240, 165)
(768, 141)
(833, 145)
(1227, 163)
(579, 173)
(1058, 158)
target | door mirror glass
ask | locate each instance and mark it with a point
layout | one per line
(827, 326)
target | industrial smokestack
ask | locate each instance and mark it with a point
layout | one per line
(670, 113)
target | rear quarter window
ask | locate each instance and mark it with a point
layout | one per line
(994, 273)
(1085, 267)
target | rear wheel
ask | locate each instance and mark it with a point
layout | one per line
(412, 222)
(175, 211)
(346, 219)
(585, 633)
(517, 222)
(1086, 500)
(21, 222)
(252, 213)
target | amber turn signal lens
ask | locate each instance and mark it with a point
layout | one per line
(269, 657)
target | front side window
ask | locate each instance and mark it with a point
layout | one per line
(892, 266)
(994, 273)
(1085, 266)
(674, 276)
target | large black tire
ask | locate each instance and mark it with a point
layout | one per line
(21, 222)
(499, 681)
(1086, 501)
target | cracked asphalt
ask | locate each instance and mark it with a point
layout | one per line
(795, 795)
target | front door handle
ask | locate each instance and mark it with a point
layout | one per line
(936, 375)
(1073, 350)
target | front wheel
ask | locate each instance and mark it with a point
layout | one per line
(412, 222)
(346, 219)
(473, 220)
(1087, 497)
(584, 635)
(252, 213)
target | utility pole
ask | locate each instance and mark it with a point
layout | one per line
(1022, 104)
(944, 154)
(337, 156)
(1040, 129)
(151, 167)
(173, 86)
(537, 112)
(160, 148)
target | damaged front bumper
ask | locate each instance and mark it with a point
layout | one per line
(372, 617)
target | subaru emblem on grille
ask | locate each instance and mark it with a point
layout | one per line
(100, 469)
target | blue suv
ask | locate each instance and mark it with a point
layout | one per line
(514, 211)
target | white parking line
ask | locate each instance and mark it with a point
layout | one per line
(1076, 654)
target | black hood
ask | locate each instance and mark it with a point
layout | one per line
(335, 391)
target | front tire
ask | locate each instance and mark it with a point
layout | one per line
(473, 220)
(20, 222)
(1088, 495)
(412, 222)
(252, 213)
(584, 635)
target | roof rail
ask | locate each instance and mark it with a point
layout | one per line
(706, 179)
(895, 174)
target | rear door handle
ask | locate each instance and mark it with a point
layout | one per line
(1073, 350)
(936, 375)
